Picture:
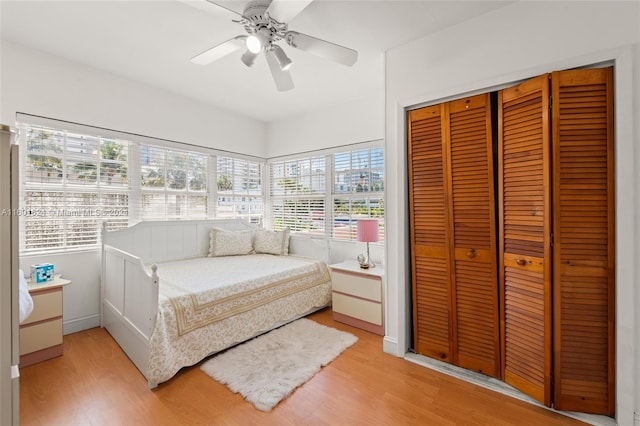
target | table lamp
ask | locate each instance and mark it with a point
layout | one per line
(367, 233)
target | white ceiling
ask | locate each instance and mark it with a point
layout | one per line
(151, 41)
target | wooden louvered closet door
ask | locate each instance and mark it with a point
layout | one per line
(584, 240)
(429, 221)
(544, 320)
(455, 289)
(525, 223)
(473, 244)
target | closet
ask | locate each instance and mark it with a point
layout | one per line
(513, 272)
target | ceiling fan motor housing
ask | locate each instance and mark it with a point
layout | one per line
(256, 20)
(255, 9)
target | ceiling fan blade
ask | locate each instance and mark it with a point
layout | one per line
(324, 49)
(283, 79)
(233, 12)
(209, 7)
(285, 10)
(219, 51)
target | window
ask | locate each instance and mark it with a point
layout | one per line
(173, 183)
(298, 195)
(326, 193)
(358, 190)
(72, 183)
(75, 178)
(239, 189)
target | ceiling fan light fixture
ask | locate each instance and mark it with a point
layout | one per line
(283, 60)
(248, 58)
(254, 44)
(259, 40)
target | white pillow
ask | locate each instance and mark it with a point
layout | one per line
(230, 243)
(272, 242)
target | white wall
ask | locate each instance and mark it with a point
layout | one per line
(37, 83)
(512, 43)
(360, 120)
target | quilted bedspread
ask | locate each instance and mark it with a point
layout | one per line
(209, 304)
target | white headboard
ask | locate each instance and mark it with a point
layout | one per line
(159, 241)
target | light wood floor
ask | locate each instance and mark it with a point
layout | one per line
(94, 383)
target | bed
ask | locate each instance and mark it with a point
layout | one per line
(173, 295)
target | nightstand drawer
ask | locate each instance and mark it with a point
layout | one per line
(357, 285)
(357, 308)
(39, 336)
(46, 304)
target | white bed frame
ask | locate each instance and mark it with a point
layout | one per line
(129, 289)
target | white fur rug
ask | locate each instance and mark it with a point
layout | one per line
(265, 370)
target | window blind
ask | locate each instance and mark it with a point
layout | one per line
(358, 190)
(173, 183)
(74, 179)
(297, 189)
(324, 194)
(72, 183)
(77, 177)
(239, 188)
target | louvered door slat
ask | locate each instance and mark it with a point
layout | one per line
(584, 230)
(472, 220)
(429, 221)
(525, 228)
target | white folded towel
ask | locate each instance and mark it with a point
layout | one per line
(25, 301)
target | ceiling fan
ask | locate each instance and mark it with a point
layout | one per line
(266, 23)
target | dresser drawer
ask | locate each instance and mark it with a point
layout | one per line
(364, 310)
(369, 288)
(40, 336)
(46, 304)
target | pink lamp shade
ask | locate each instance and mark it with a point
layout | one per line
(367, 230)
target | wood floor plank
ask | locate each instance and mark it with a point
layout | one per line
(94, 383)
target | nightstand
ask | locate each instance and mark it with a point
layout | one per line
(357, 296)
(41, 332)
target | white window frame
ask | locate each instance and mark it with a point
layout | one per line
(164, 191)
(305, 194)
(241, 198)
(328, 196)
(353, 196)
(135, 191)
(69, 213)
(134, 188)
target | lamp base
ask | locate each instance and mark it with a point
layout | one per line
(365, 261)
(367, 265)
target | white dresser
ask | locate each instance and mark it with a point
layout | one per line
(357, 296)
(41, 332)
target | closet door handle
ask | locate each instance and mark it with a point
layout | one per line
(521, 262)
(471, 253)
